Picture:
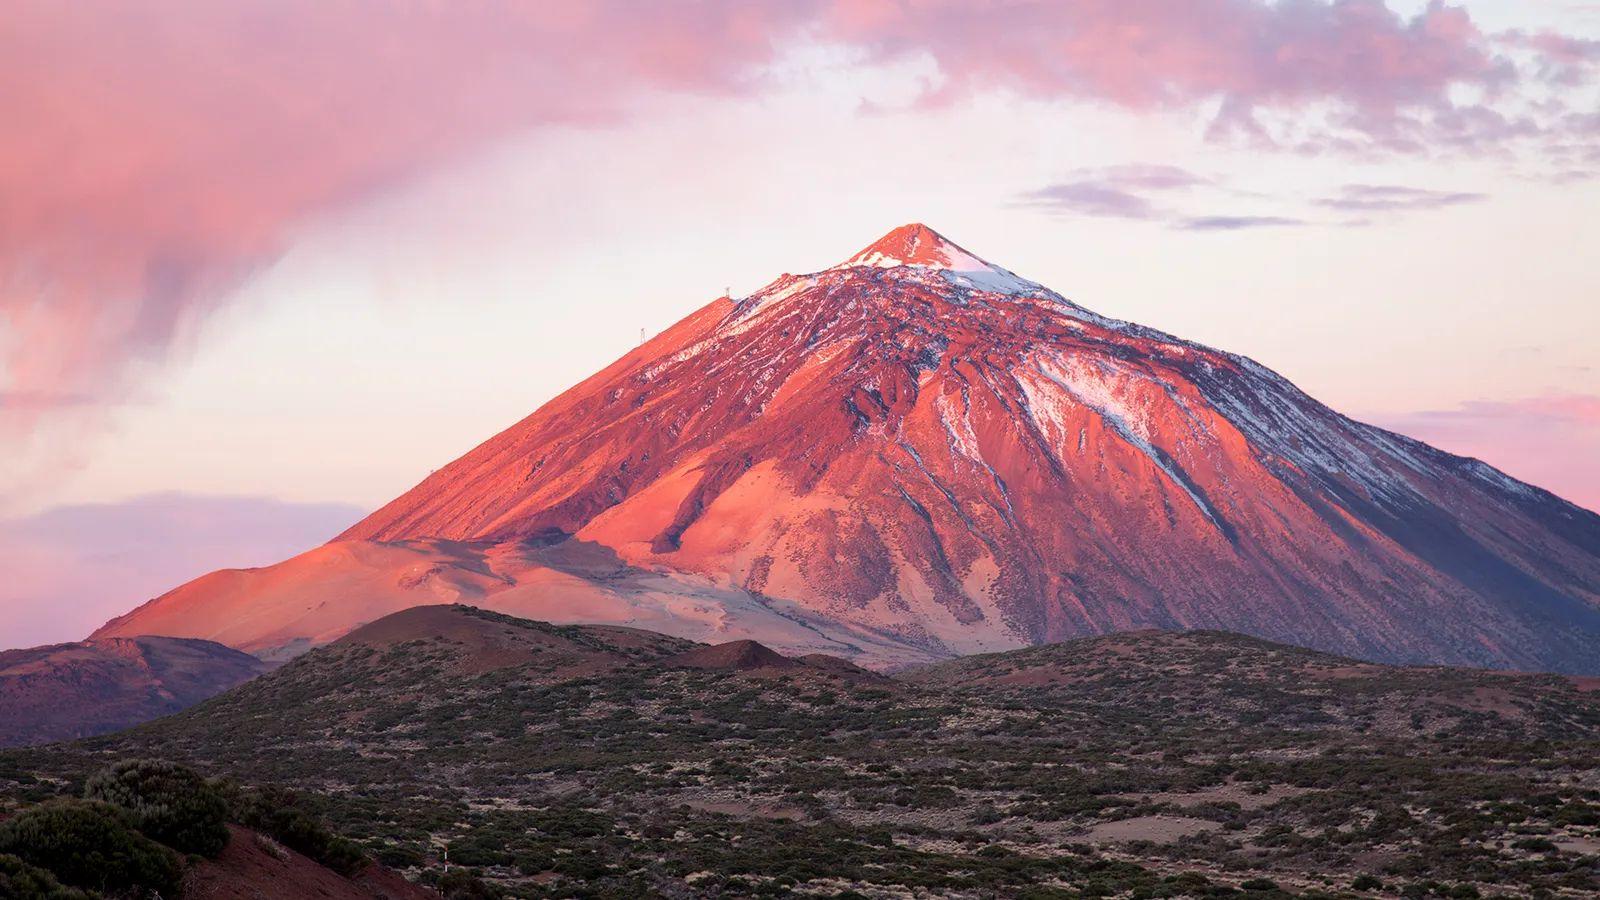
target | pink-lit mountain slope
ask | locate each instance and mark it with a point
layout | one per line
(916, 454)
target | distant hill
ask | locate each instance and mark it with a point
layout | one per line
(63, 691)
(557, 761)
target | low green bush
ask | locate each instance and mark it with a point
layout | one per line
(20, 880)
(92, 845)
(168, 802)
(461, 884)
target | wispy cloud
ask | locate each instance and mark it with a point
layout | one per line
(1151, 177)
(1237, 223)
(1154, 193)
(1162, 194)
(1368, 198)
(1119, 192)
(1091, 199)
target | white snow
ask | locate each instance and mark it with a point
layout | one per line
(992, 279)
(1276, 416)
(958, 428)
(957, 266)
(1095, 389)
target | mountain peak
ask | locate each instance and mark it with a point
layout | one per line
(915, 244)
(917, 454)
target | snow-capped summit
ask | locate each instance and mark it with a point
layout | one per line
(915, 245)
(888, 461)
(918, 246)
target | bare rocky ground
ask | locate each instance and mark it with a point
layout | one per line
(604, 762)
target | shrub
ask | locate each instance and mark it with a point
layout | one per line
(401, 857)
(1366, 883)
(22, 881)
(460, 884)
(279, 814)
(91, 845)
(168, 802)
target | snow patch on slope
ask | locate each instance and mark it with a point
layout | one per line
(1094, 391)
(992, 279)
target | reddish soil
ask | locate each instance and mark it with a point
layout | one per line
(254, 867)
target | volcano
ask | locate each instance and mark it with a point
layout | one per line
(917, 454)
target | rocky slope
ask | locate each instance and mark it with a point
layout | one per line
(916, 454)
(64, 691)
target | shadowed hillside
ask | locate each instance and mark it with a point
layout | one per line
(557, 761)
(64, 691)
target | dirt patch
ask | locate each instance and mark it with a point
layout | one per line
(1583, 846)
(1497, 700)
(1229, 793)
(254, 866)
(1158, 829)
(749, 809)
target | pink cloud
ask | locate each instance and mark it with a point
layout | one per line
(71, 568)
(1551, 441)
(1384, 72)
(157, 153)
(1562, 59)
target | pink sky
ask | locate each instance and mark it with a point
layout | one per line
(244, 244)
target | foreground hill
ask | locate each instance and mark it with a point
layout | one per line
(64, 691)
(558, 761)
(917, 454)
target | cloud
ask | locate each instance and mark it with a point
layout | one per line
(1112, 192)
(1387, 78)
(1140, 192)
(1237, 223)
(1146, 192)
(69, 569)
(156, 154)
(1151, 177)
(1090, 199)
(1561, 59)
(1552, 441)
(1394, 198)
